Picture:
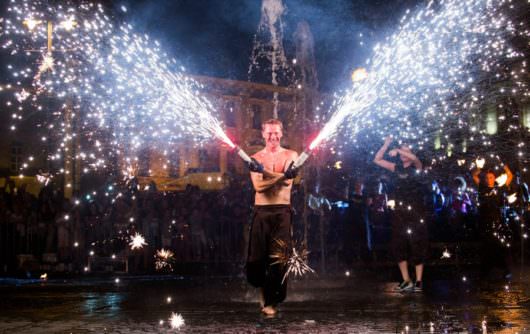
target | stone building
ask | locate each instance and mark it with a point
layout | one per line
(242, 106)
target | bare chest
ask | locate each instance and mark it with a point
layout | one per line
(274, 162)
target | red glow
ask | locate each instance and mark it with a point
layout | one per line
(229, 142)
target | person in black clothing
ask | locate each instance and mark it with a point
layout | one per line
(491, 225)
(357, 233)
(409, 232)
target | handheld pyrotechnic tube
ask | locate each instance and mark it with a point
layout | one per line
(302, 158)
(242, 154)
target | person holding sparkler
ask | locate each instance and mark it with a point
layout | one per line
(409, 231)
(272, 176)
(493, 230)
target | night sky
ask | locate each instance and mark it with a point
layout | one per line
(214, 37)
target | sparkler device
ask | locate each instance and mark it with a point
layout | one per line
(242, 154)
(302, 158)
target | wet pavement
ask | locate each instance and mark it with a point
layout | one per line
(226, 304)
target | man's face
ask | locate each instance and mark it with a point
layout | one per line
(403, 158)
(272, 133)
(490, 180)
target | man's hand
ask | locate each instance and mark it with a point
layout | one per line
(393, 152)
(255, 166)
(291, 172)
(388, 140)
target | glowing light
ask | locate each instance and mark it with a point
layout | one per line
(480, 162)
(164, 259)
(294, 261)
(176, 321)
(137, 241)
(501, 179)
(47, 63)
(359, 75)
(68, 24)
(512, 198)
(446, 254)
(31, 23)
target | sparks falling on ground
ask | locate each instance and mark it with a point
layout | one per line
(137, 241)
(116, 90)
(164, 259)
(436, 74)
(176, 321)
(295, 262)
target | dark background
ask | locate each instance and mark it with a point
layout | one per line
(215, 37)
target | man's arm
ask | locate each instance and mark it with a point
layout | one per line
(378, 160)
(266, 180)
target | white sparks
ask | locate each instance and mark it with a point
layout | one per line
(137, 241)
(176, 321)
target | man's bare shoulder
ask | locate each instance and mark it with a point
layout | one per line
(290, 154)
(259, 155)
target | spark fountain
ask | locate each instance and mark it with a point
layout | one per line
(119, 90)
(435, 74)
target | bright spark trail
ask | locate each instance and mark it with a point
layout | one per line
(437, 73)
(118, 91)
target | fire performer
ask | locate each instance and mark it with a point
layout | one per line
(272, 175)
(409, 231)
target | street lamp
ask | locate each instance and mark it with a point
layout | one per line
(47, 64)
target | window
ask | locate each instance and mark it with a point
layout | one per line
(283, 115)
(209, 160)
(144, 163)
(174, 164)
(16, 157)
(230, 113)
(526, 116)
(256, 116)
(491, 120)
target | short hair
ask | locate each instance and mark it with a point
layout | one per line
(272, 121)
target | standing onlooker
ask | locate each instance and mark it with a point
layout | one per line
(409, 232)
(357, 234)
(494, 251)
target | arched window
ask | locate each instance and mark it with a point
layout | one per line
(256, 116)
(230, 114)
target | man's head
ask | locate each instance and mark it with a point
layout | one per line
(272, 132)
(404, 159)
(490, 179)
(358, 187)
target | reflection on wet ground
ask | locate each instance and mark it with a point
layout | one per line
(228, 305)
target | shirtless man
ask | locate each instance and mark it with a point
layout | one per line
(272, 177)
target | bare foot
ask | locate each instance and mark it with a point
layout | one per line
(269, 310)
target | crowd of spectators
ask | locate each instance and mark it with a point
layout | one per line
(197, 226)
(210, 226)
